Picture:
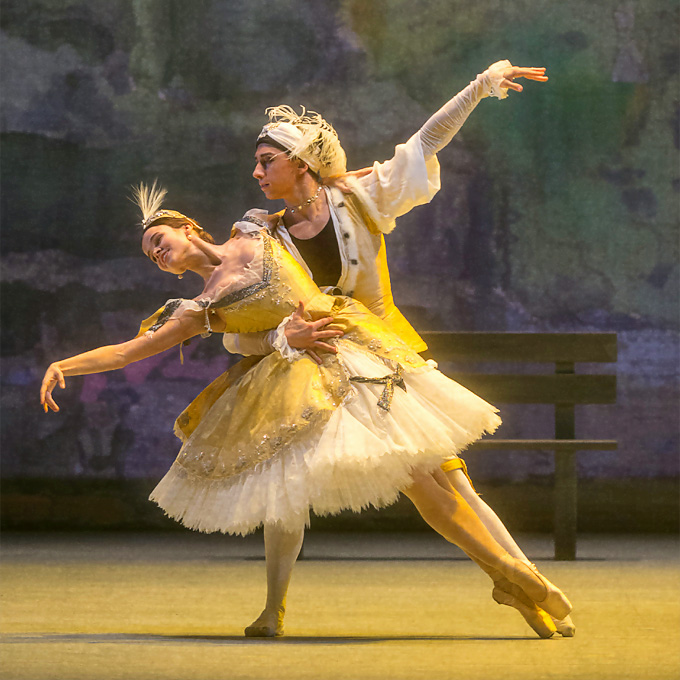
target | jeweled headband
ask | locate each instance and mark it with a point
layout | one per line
(306, 136)
(149, 199)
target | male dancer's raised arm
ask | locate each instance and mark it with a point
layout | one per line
(382, 192)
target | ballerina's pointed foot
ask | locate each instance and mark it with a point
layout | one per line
(543, 593)
(266, 625)
(565, 627)
(510, 595)
(555, 601)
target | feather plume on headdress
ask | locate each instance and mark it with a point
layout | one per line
(307, 136)
(149, 199)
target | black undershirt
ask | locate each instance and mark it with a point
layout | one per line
(322, 255)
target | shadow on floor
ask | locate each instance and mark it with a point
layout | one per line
(142, 638)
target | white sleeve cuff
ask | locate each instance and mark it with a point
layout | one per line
(249, 344)
(280, 342)
(231, 343)
(492, 78)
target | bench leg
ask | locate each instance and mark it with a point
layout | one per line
(565, 505)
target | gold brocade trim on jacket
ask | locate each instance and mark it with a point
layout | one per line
(365, 275)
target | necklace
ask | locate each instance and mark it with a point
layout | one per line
(309, 201)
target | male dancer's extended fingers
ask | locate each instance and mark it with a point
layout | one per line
(314, 356)
(330, 327)
(530, 74)
(328, 334)
(510, 85)
(523, 70)
(325, 346)
(322, 322)
(299, 310)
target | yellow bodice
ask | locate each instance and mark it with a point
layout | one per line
(276, 285)
(263, 304)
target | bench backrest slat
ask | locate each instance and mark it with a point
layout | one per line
(533, 347)
(540, 389)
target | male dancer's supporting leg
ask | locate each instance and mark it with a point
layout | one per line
(448, 513)
(503, 592)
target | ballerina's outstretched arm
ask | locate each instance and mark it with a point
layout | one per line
(112, 357)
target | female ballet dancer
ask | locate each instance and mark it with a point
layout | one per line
(371, 420)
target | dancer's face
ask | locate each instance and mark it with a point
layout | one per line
(168, 248)
(276, 174)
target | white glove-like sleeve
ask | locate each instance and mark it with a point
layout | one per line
(249, 344)
(440, 129)
(261, 344)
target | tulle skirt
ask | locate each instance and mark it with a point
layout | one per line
(360, 455)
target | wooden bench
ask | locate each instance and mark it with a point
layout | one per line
(564, 389)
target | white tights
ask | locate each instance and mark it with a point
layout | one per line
(281, 548)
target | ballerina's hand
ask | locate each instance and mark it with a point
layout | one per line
(53, 377)
(310, 335)
(340, 181)
(513, 72)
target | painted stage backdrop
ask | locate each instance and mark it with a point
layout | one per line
(558, 210)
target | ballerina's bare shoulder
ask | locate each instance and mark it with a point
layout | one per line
(240, 266)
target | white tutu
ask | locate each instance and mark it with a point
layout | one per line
(362, 456)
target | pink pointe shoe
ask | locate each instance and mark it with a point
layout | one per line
(511, 595)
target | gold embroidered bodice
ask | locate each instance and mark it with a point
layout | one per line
(270, 288)
(281, 284)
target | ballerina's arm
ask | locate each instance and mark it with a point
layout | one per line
(112, 357)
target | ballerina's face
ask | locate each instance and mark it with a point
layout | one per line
(275, 172)
(168, 248)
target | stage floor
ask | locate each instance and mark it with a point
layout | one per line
(361, 607)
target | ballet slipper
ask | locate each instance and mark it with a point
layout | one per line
(511, 595)
(565, 627)
(266, 625)
(543, 593)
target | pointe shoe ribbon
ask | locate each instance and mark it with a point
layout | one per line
(510, 595)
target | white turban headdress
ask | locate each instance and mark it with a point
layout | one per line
(308, 137)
